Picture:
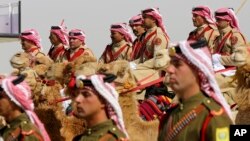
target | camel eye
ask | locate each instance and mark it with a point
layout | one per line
(18, 54)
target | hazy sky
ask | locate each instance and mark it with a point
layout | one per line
(96, 16)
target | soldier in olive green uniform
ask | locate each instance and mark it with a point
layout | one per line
(21, 128)
(97, 102)
(16, 106)
(201, 113)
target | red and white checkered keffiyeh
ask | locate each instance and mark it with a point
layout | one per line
(204, 11)
(123, 29)
(200, 60)
(155, 13)
(228, 15)
(61, 33)
(33, 36)
(20, 94)
(136, 20)
(78, 34)
(108, 92)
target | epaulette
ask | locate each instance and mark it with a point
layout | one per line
(234, 30)
(26, 130)
(214, 108)
(213, 27)
(115, 132)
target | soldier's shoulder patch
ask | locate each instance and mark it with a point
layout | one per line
(222, 134)
(157, 41)
(233, 40)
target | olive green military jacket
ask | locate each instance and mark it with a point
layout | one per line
(106, 131)
(190, 125)
(21, 129)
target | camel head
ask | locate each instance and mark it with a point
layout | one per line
(241, 56)
(20, 60)
(41, 65)
(125, 80)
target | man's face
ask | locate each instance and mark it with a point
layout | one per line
(116, 37)
(75, 43)
(137, 29)
(181, 76)
(148, 21)
(198, 20)
(5, 104)
(88, 104)
(221, 23)
(26, 44)
(54, 39)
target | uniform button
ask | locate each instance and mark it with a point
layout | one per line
(114, 129)
(208, 101)
(181, 106)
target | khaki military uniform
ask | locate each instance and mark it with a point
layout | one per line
(105, 131)
(228, 40)
(154, 39)
(207, 31)
(56, 53)
(21, 129)
(73, 55)
(198, 118)
(137, 46)
(35, 52)
(117, 51)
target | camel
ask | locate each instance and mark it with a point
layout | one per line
(20, 61)
(137, 128)
(63, 73)
(241, 58)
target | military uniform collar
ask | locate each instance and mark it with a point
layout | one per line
(225, 30)
(202, 27)
(22, 118)
(151, 29)
(193, 101)
(98, 127)
(73, 51)
(122, 42)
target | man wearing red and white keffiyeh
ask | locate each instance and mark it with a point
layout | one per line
(201, 112)
(96, 101)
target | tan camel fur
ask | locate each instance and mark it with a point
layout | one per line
(138, 129)
(241, 57)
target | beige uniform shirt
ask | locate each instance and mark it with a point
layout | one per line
(116, 51)
(234, 39)
(56, 53)
(158, 40)
(73, 55)
(207, 31)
